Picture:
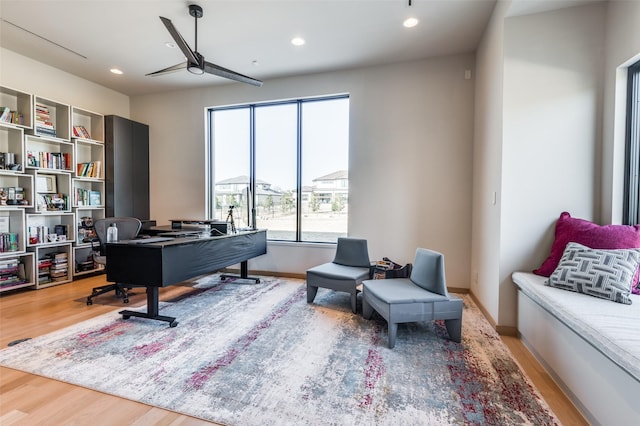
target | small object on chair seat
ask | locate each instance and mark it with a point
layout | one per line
(346, 272)
(422, 297)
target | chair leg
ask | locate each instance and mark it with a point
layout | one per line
(367, 309)
(454, 328)
(354, 299)
(393, 330)
(311, 293)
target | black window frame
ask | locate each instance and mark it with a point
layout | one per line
(252, 158)
(631, 211)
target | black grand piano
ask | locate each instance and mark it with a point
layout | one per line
(160, 262)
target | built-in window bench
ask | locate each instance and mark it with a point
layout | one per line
(591, 347)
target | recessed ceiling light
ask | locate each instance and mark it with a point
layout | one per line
(297, 41)
(170, 45)
(116, 71)
(410, 22)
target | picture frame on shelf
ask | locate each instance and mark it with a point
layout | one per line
(46, 184)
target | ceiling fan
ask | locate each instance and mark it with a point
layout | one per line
(195, 62)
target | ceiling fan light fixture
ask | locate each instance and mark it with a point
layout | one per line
(410, 22)
(195, 68)
(116, 71)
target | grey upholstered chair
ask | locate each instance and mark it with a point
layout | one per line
(421, 297)
(348, 269)
(128, 228)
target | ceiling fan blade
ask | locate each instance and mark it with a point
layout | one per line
(232, 75)
(184, 47)
(167, 70)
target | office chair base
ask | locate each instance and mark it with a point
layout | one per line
(120, 291)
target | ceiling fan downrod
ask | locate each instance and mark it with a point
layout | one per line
(196, 12)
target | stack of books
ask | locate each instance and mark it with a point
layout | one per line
(43, 270)
(59, 267)
(44, 125)
(11, 273)
(86, 265)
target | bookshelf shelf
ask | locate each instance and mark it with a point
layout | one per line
(86, 125)
(82, 248)
(20, 105)
(11, 148)
(12, 233)
(88, 193)
(18, 190)
(89, 159)
(16, 271)
(49, 153)
(52, 191)
(52, 265)
(51, 119)
(50, 229)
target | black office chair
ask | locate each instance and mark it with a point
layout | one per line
(128, 228)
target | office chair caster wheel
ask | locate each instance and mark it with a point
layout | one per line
(173, 324)
(258, 281)
(126, 317)
(89, 302)
(126, 300)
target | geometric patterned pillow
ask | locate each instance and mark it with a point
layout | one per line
(607, 274)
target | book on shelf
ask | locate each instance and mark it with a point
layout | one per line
(8, 242)
(11, 117)
(5, 116)
(81, 132)
(95, 198)
(90, 169)
(49, 160)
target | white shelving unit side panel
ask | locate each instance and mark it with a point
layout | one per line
(21, 102)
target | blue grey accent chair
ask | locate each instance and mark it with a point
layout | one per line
(346, 272)
(421, 297)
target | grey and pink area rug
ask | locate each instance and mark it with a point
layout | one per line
(258, 354)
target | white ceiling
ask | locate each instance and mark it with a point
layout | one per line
(88, 37)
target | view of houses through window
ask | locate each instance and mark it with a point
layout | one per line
(284, 163)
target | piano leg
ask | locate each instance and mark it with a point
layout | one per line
(152, 309)
(244, 274)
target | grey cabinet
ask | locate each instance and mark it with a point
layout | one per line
(126, 168)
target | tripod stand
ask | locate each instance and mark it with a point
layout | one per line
(230, 220)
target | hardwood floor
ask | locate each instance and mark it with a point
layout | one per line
(26, 399)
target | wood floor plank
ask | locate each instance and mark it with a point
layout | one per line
(28, 399)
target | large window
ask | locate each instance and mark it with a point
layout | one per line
(282, 166)
(632, 166)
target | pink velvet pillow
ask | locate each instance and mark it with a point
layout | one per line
(569, 229)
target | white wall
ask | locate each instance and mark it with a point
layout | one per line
(25, 74)
(548, 145)
(487, 163)
(552, 131)
(410, 165)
